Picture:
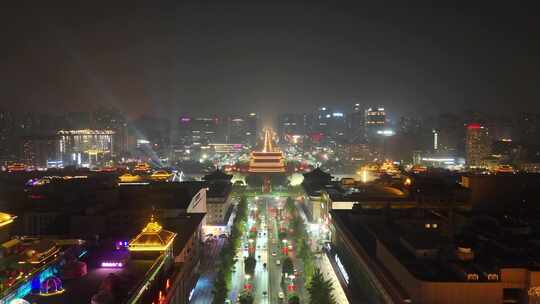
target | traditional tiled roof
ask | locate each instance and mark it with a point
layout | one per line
(152, 238)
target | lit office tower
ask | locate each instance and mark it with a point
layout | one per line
(110, 119)
(322, 120)
(291, 124)
(375, 120)
(198, 131)
(86, 148)
(355, 121)
(252, 121)
(330, 124)
(477, 144)
(242, 129)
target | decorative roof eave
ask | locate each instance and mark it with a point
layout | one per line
(6, 219)
(152, 247)
(153, 229)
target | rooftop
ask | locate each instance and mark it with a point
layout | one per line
(6, 219)
(367, 228)
(123, 281)
(152, 238)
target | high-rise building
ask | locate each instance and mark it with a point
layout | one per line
(374, 120)
(450, 133)
(86, 148)
(322, 120)
(477, 144)
(330, 124)
(252, 128)
(291, 124)
(6, 136)
(528, 128)
(110, 119)
(355, 124)
(40, 150)
(199, 131)
(242, 129)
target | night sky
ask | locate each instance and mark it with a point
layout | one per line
(168, 58)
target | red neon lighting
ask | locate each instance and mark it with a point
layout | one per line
(473, 126)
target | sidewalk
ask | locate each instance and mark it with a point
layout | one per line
(324, 264)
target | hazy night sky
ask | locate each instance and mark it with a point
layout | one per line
(226, 56)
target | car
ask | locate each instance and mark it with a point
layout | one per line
(274, 253)
(281, 295)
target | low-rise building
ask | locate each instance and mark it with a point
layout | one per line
(218, 203)
(381, 259)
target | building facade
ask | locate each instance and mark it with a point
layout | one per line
(477, 144)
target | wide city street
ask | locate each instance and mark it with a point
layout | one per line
(269, 240)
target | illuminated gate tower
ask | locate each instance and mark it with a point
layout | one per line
(269, 160)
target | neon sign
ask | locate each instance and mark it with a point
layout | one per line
(112, 264)
(342, 269)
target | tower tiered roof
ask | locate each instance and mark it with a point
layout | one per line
(152, 238)
(269, 160)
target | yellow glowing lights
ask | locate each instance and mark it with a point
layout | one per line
(6, 219)
(269, 159)
(160, 175)
(407, 181)
(128, 178)
(152, 238)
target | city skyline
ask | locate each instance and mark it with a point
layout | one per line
(269, 152)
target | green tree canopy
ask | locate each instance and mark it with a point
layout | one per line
(294, 299)
(290, 207)
(320, 290)
(249, 264)
(246, 298)
(287, 266)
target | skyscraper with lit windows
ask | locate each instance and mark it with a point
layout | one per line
(477, 144)
(374, 120)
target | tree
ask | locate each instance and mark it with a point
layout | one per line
(227, 256)
(246, 298)
(320, 290)
(289, 205)
(294, 299)
(249, 264)
(287, 266)
(220, 288)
